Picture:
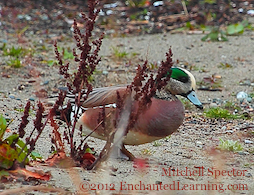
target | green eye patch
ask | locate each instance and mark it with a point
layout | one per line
(179, 75)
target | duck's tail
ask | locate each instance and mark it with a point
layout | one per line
(67, 112)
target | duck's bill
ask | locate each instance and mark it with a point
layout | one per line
(192, 96)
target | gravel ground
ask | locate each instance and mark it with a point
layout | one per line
(192, 147)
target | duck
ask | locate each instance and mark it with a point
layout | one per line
(163, 117)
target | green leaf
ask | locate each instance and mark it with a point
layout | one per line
(51, 62)
(230, 145)
(35, 155)
(11, 138)
(7, 156)
(235, 29)
(22, 144)
(205, 37)
(214, 36)
(4, 173)
(5, 163)
(88, 150)
(245, 23)
(3, 126)
(21, 156)
(223, 38)
(68, 55)
(19, 145)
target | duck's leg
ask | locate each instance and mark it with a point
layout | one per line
(127, 153)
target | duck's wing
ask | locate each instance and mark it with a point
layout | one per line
(104, 96)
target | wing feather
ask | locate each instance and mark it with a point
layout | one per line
(103, 96)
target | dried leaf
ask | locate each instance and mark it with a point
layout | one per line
(7, 156)
(88, 159)
(29, 174)
(60, 159)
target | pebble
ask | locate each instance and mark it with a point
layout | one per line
(223, 128)
(250, 12)
(213, 105)
(21, 87)
(241, 95)
(248, 141)
(44, 17)
(45, 83)
(249, 99)
(111, 5)
(243, 153)
(157, 3)
(105, 72)
(12, 96)
(32, 99)
(246, 82)
(248, 175)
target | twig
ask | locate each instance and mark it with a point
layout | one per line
(185, 8)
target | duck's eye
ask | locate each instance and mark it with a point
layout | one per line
(183, 79)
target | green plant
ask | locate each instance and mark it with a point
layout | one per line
(188, 26)
(66, 53)
(230, 145)
(136, 3)
(15, 52)
(157, 143)
(14, 62)
(51, 62)
(147, 152)
(139, 15)
(218, 113)
(235, 29)
(238, 28)
(231, 106)
(215, 35)
(221, 113)
(3, 47)
(225, 65)
(12, 148)
(208, 1)
(166, 139)
(249, 165)
(119, 54)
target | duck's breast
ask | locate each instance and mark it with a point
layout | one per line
(162, 118)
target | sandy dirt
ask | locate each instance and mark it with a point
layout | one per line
(191, 150)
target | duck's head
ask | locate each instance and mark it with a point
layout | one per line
(183, 83)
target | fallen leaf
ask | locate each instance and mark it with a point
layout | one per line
(60, 159)
(29, 174)
(88, 159)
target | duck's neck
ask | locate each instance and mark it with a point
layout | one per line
(163, 95)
